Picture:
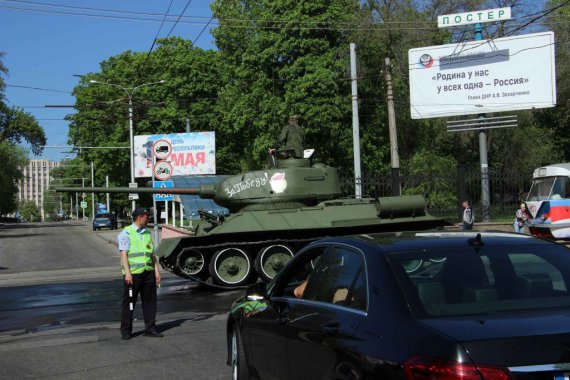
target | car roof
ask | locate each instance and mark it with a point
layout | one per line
(420, 240)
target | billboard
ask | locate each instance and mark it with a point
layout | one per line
(504, 74)
(192, 153)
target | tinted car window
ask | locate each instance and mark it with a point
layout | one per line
(102, 216)
(501, 279)
(338, 278)
(298, 273)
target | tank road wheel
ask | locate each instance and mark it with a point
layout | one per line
(271, 259)
(230, 266)
(191, 262)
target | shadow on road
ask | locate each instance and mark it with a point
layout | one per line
(9, 236)
(15, 226)
(162, 327)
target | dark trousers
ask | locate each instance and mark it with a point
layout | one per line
(145, 284)
(467, 226)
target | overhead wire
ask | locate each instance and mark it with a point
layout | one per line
(281, 23)
(202, 31)
(159, 29)
(36, 88)
(177, 20)
(545, 13)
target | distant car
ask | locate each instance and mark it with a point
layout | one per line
(104, 221)
(426, 305)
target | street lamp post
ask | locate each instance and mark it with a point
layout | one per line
(130, 92)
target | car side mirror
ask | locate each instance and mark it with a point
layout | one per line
(256, 292)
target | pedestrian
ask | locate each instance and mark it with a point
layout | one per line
(291, 139)
(521, 218)
(140, 274)
(468, 216)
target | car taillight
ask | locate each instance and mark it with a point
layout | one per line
(418, 368)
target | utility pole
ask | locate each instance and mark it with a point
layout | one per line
(355, 124)
(92, 194)
(187, 125)
(83, 200)
(130, 91)
(108, 202)
(394, 156)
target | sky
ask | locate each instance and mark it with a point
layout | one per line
(45, 49)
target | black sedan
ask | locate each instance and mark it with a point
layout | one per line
(426, 305)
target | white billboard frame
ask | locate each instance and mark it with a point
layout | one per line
(505, 74)
(193, 153)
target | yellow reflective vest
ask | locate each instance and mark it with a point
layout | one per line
(140, 251)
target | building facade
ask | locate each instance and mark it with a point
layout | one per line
(35, 180)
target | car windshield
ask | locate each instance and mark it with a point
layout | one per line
(102, 216)
(495, 279)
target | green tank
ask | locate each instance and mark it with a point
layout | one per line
(274, 213)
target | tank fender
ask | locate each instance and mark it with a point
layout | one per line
(402, 206)
(167, 247)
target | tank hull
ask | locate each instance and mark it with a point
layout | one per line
(278, 234)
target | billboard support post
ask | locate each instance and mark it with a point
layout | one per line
(483, 159)
(154, 204)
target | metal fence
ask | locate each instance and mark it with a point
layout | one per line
(445, 193)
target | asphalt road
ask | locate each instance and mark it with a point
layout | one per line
(60, 292)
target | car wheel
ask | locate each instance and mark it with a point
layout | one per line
(239, 364)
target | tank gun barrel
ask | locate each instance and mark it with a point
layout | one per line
(204, 191)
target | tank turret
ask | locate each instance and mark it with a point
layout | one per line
(274, 213)
(295, 185)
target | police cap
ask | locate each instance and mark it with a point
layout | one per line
(140, 211)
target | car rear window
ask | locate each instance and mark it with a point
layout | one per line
(489, 280)
(102, 215)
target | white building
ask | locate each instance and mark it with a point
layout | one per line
(36, 178)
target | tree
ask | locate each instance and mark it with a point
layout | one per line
(192, 77)
(30, 211)
(284, 57)
(433, 179)
(16, 126)
(557, 119)
(13, 159)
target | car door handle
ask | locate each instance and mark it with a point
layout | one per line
(284, 315)
(332, 328)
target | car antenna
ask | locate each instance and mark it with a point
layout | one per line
(477, 243)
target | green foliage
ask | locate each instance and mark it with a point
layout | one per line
(192, 77)
(279, 57)
(30, 211)
(557, 119)
(432, 179)
(16, 126)
(13, 158)
(293, 58)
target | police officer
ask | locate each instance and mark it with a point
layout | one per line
(140, 273)
(292, 137)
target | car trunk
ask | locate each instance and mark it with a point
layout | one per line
(531, 345)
